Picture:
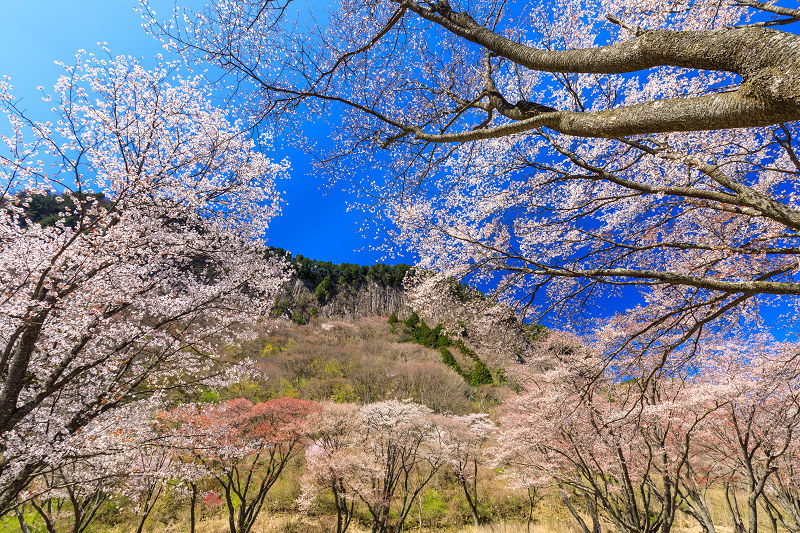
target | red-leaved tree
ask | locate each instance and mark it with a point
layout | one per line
(243, 447)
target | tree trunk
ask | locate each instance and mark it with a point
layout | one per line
(51, 528)
(578, 518)
(344, 511)
(192, 504)
(773, 520)
(698, 510)
(531, 503)
(471, 502)
(19, 510)
(733, 507)
(752, 512)
(420, 512)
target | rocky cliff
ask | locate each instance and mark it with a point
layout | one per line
(364, 298)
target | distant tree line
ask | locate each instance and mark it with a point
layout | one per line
(328, 273)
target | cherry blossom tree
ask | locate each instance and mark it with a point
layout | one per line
(113, 456)
(388, 451)
(244, 448)
(589, 451)
(132, 291)
(782, 491)
(402, 453)
(478, 116)
(383, 454)
(146, 480)
(330, 463)
(73, 492)
(463, 439)
(757, 429)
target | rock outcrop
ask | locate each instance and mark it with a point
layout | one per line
(344, 300)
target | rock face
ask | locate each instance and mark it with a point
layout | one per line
(363, 299)
(370, 299)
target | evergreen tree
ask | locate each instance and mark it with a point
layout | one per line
(324, 291)
(480, 374)
(449, 360)
(413, 320)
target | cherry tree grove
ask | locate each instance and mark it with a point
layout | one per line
(384, 454)
(153, 263)
(644, 454)
(652, 144)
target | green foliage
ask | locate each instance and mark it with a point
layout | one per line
(449, 360)
(298, 318)
(466, 350)
(344, 393)
(10, 523)
(434, 504)
(412, 321)
(208, 396)
(434, 338)
(424, 335)
(344, 273)
(480, 375)
(280, 307)
(500, 376)
(255, 391)
(393, 319)
(286, 389)
(324, 291)
(536, 331)
(327, 368)
(48, 209)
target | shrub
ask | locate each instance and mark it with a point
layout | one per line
(324, 291)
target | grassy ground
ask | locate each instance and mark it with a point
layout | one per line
(298, 524)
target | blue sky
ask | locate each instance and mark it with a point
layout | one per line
(34, 34)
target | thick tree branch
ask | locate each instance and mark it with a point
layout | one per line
(768, 61)
(784, 11)
(716, 111)
(744, 51)
(675, 278)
